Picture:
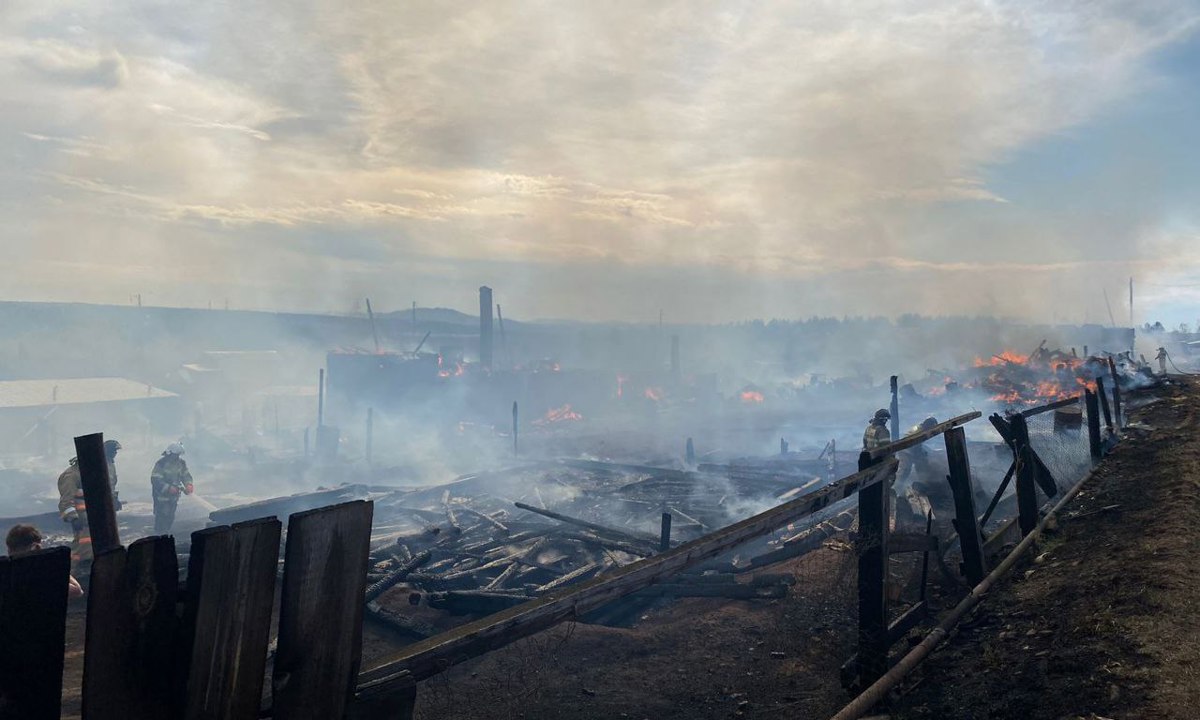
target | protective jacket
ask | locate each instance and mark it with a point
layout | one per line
(169, 478)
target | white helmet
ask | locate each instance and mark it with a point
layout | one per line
(174, 449)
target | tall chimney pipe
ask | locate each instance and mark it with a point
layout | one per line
(485, 327)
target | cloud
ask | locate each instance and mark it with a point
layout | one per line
(780, 141)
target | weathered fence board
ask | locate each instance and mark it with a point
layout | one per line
(33, 622)
(231, 590)
(974, 562)
(97, 492)
(130, 645)
(320, 613)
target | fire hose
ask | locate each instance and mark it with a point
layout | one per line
(878, 690)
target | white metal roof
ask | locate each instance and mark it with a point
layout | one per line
(75, 391)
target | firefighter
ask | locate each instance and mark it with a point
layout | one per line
(877, 434)
(923, 479)
(1161, 357)
(72, 508)
(169, 478)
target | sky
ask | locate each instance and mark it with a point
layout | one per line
(716, 161)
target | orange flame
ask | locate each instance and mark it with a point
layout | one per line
(1005, 358)
(751, 396)
(558, 415)
(653, 393)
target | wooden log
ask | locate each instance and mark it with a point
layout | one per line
(1103, 397)
(33, 626)
(488, 519)
(320, 611)
(917, 438)
(434, 655)
(638, 539)
(1093, 422)
(578, 573)
(1065, 402)
(400, 623)
(392, 578)
(872, 576)
(227, 619)
(970, 537)
(97, 492)
(1023, 459)
(1116, 392)
(129, 652)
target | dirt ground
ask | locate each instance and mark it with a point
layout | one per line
(1103, 619)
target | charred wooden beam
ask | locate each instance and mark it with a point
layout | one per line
(1093, 422)
(623, 535)
(970, 538)
(873, 563)
(97, 492)
(1065, 402)
(390, 581)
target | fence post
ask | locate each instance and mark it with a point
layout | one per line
(664, 539)
(1023, 459)
(370, 433)
(895, 407)
(1093, 421)
(974, 566)
(1108, 421)
(33, 625)
(97, 492)
(872, 577)
(1116, 392)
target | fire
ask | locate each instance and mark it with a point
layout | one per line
(1005, 358)
(558, 415)
(653, 393)
(621, 385)
(751, 396)
(1007, 398)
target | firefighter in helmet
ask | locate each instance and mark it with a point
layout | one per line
(877, 434)
(168, 480)
(72, 508)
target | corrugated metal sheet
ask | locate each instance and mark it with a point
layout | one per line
(75, 391)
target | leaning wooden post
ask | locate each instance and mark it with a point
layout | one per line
(514, 427)
(872, 577)
(894, 424)
(1108, 421)
(1116, 392)
(664, 538)
(974, 562)
(1026, 469)
(1093, 421)
(320, 400)
(97, 492)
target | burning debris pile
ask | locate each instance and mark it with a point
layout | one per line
(492, 541)
(1043, 376)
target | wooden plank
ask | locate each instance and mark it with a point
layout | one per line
(1093, 422)
(917, 438)
(231, 590)
(970, 538)
(1103, 397)
(1066, 402)
(320, 611)
(872, 577)
(1116, 391)
(97, 492)
(894, 408)
(33, 626)
(630, 536)
(393, 700)
(129, 651)
(1027, 504)
(430, 657)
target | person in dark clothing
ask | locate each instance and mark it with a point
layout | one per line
(168, 480)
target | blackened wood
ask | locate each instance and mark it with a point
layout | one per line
(896, 631)
(1023, 459)
(894, 421)
(899, 543)
(430, 657)
(1065, 402)
(1042, 475)
(1093, 422)
(33, 625)
(392, 578)
(129, 653)
(97, 492)
(638, 539)
(392, 698)
(970, 538)
(872, 578)
(320, 611)
(1103, 397)
(1008, 475)
(231, 590)
(515, 426)
(664, 538)
(1116, 391)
